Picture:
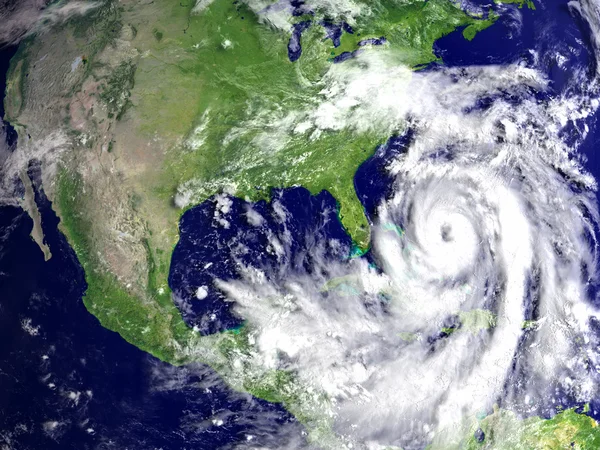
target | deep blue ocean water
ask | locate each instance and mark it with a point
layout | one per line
(68, 383)
(206, 251)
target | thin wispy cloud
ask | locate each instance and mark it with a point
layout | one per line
(25, 17)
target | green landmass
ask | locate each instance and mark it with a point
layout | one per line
(471, 31)
(519, 3)
(503, 430)
(477, 320)
(411, 28)
(253, 76)
(118, 88)
(472, 321)
(191, 84)
(15, 79)
(181, 99)
(529, 324)
(408, 337)
(154, 325)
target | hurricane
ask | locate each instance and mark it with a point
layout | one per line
(300, 224)
(479, 285)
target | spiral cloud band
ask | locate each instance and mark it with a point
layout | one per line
(485, 257)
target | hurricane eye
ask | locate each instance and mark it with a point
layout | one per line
(446, 233)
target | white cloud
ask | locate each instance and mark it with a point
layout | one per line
(480, 224)
(35, 16)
